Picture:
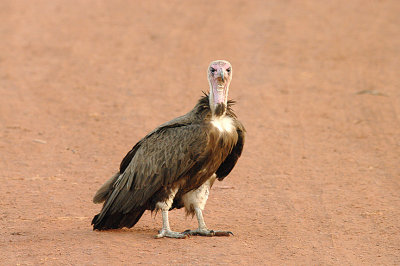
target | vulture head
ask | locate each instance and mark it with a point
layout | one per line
(219, 76)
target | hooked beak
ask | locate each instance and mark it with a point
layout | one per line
(221, 73)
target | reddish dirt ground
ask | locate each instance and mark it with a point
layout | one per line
(317, 87)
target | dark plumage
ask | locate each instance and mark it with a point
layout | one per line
(177, 157)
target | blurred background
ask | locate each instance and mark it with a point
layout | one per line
(317, 87)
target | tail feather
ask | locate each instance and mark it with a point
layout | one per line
(117, 220)
(105, 191)
(112, 216)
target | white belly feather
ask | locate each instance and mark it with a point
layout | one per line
(224, 123)
(197, 198)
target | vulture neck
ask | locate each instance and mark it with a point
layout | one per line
(225, 122)
(218, 110)
(219, 119)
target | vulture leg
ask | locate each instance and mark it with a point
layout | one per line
(166, 230)
(196, 200)
(202, 230)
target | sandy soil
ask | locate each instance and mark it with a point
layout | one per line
(317, 86)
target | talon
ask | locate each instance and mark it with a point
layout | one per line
(186, 233)
(223, 233)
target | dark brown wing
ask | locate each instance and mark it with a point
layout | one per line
(230, 161)
(175, 123)
(160, 159)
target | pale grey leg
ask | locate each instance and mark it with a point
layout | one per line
(164, 207)
(202, 230)
(165, 230)
(200, 219)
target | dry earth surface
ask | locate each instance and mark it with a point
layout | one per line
(317, 87)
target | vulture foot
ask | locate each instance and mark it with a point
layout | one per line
(206, 232)
(168, 233)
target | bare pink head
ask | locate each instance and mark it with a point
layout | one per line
(219, 76)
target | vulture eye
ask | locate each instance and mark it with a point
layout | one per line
(228, 70)
(212, 70)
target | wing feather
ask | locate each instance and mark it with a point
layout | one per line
(232, 158)
(158, 160)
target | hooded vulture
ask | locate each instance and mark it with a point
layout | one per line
(176, 164)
